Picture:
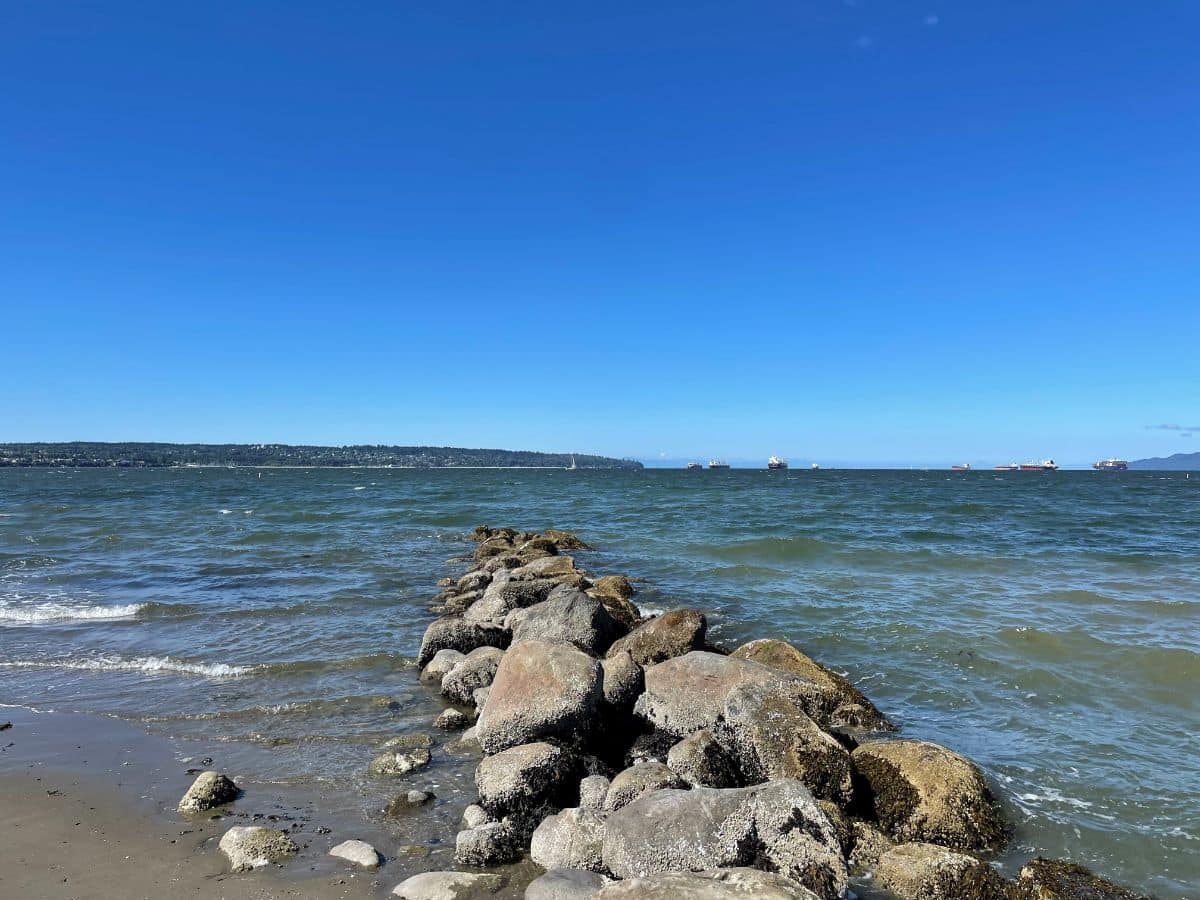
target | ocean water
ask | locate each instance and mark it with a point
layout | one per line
(1046, 625)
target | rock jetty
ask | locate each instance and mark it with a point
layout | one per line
(627, 756)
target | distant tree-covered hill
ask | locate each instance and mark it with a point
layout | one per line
(1179, 462)
(149, 455)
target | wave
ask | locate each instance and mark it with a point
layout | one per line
(773, 549)
(147, 664)
(49, 611)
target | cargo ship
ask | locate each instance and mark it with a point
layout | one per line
(776, 463)
(1046, 465)
(1111, 465)
(718, 464)
(962, 467)
(694, 465)
(1011, 467)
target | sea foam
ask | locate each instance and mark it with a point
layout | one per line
(148, 664)
(49, 611)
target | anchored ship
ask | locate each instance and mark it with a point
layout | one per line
(718, 464)
(1046, 465)
(1011, 467)
(963, 467)
(776, 463)
(694, 465)
(1111, 465)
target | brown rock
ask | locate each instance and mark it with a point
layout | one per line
(672, 634)
(1055, 879)
(929, 872)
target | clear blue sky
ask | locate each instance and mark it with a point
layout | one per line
(846, 231)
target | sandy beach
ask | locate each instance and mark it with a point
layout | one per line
(86, 811)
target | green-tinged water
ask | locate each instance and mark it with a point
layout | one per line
(1046, 625)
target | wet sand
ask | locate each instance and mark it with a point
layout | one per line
(87, 811)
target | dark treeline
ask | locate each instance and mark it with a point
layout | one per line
(148, 455)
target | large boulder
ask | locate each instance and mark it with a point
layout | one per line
(441, 665)
(568, 617)
(448, 886)
(524, 778)
(699, 760)
(566, 884)
(541, 690)
(208, 791)
(841, 703)
(614, 592)
(688, 693)
(772, 737)
(718, 884)
(623, 681)
(1056, 879)
(253, 846)
(475, 670)
(572, 839)
(929, 872)
(640, 779)
(777, 825)
(672, 634)
(564, 540)
(504, 595)
(922, 792)
(455, 633)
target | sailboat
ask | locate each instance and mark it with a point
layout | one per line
(572, 465)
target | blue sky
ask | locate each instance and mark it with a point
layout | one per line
(869, 231)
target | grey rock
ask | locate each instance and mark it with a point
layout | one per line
(778, 825)
(487, 845)
(475, 815)
(480, 697)
(672, 634)
(252, 846)
(716, 884)
(541, 690)
(474, 581)
(928, 872)
(408, 742)
(209, 790)
(504, 596)
(391, 763)
(572, 839)
(592, 791)
(570, 617)
(546, 567)
(474, 671)
(566, 884)
(771, 737)
(623, 681)
(922, 792)
(523, 778)
(358, 852)
(442, 663)
(448, 886)
(699, 760)
(640, 779)
(455, 633)
(408, 802)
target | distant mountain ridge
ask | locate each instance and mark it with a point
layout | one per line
(1175, 462)
(161, 455)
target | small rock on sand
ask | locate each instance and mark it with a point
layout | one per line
(358, 852)
(252, 846)
(209, 790)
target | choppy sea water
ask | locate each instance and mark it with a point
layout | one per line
(1046, 625)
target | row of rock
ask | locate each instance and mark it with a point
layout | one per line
(631, 758)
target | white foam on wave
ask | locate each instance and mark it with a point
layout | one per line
(49, 611)
(147, 664)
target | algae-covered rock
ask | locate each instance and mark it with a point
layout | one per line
(208, 791)
(928, 872)
(541, 690)
(770, 736)
(252, 847)
(569, 617)
(672, 634)
(841, 702)
(564, 540)
(922, 792)
(1056, 879)
(393, 763)
(488, 844)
